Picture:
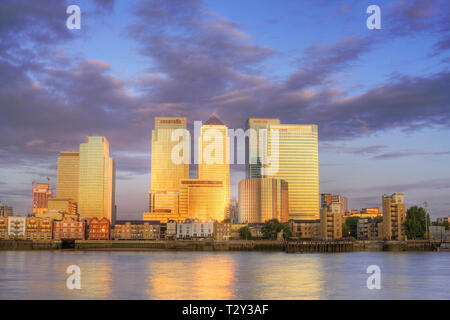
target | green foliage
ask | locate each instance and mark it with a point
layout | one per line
(271, 228)
(349, 228)
(245, 234)
(416, 221)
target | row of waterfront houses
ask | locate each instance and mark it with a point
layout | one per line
(71, 227)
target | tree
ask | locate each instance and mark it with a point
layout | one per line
(350, 225)
(271, 228)
(245, 234)
(416, 222)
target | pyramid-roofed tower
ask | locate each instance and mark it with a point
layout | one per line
(214, 121)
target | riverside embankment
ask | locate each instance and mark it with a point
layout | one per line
(232, 245)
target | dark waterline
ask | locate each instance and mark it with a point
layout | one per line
(223, 275)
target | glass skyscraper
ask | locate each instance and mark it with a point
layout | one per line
(296, 147)
(96, 190)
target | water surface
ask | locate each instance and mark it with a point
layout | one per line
(223, 275)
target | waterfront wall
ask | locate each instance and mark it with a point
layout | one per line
(232, 245)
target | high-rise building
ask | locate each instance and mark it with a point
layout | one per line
(40, 195)
(394, 216)
(214, 153)
(257, 147)
(293, 150)
(166, 174)
(263, 199)
(96, 191)
(68, 175)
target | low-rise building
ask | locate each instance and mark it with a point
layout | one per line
(171, 230)
(222, 231)
(305, 229)
(39, 228)
(69, 228)
(16, 227)
(369, 228)
(62, 205)
(192, 229)
(439, 233)
(3, 228)
(99, 229)
(136, 230)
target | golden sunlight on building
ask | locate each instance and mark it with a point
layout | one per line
(96, 192)
(263, 199)
(165, 173)
(214, 153)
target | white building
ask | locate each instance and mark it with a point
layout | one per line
(191, 229)
(16, 227)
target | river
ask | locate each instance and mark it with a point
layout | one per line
(223, 275)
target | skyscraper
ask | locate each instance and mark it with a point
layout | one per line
(214, 153)
(254, 147)
(296, 147)
(166, 174)
(96, 189)
(68, 175)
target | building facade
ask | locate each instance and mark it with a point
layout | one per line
(96, 191)
(136, 230)
(331, 222)
(68, 175)
(202, 199)
(369, 228)
(222, 230)
(214, 157)
(99, 229)
(327, 198)
(5, 211)
(293, 156)
(62, 205)
(17, 227)
(3, 228)
(305, 229)
(394, 217)
(192, 229)
(40, 195)
(39, 228)
(263, 199)
(69, 228)
(257, 146)
(166, 173)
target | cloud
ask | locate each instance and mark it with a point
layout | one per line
(395, 155)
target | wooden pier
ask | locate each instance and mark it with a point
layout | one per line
(307, 246)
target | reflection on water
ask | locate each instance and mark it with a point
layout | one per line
(222, 275)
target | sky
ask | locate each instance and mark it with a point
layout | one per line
(380, 98)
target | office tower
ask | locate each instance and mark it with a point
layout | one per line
(96, 189)
(327, 198)
(394, 216)
(254, 150)
(5, 211)
(202, 199)
(166, 174)
(296, 147)
(263, 199)
(68, 175)
(66, 206)
(331, 221)
(214, 152)
(40, 196)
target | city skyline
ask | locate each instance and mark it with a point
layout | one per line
(382, 112)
